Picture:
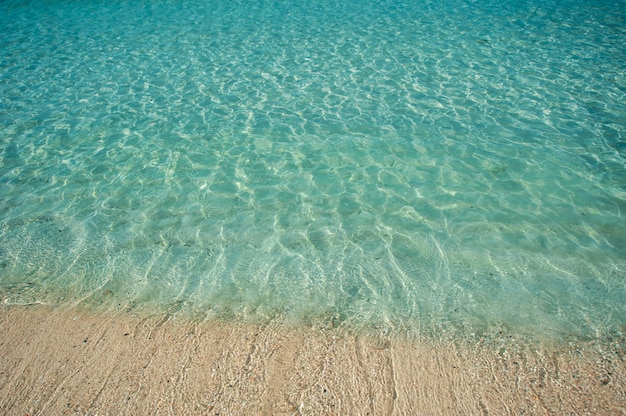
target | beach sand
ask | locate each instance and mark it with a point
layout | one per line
(56, 362)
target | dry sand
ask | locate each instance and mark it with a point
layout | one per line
(70, 362)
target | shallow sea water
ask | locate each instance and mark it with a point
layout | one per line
(413, 167)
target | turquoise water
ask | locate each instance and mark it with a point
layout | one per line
(409, 166)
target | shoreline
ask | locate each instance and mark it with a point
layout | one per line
(73, 362)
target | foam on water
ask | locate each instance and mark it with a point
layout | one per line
(439, 166)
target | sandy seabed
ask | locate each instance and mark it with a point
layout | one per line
(55, 362)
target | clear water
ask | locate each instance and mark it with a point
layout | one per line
(418, 166)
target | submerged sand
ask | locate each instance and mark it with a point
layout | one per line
(69, 362)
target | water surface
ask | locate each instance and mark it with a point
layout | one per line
(414, 167)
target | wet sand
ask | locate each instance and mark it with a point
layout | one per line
(71, 362)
